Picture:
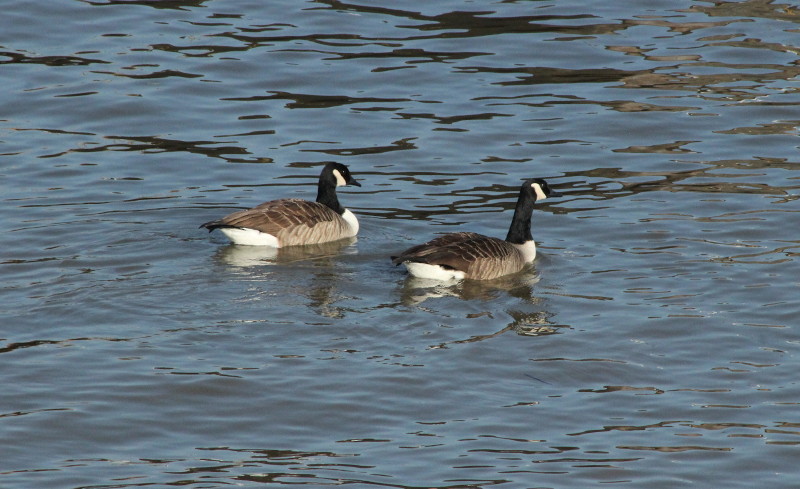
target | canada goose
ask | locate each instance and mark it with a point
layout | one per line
(291, 222)
(475, 256)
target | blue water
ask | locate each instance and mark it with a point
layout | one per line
(653, 344)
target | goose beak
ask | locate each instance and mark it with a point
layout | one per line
(553, 193)
(353, 181)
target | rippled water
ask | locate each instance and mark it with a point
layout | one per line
(654, 344)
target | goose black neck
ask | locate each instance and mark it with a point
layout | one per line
(520, 230)
(326, 194)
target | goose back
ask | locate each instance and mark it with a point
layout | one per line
(477, 256)
(291, 221)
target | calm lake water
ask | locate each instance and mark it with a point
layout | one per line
(654, 343)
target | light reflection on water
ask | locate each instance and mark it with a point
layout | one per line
(652, 343)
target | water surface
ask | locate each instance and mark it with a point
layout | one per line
(653, 344)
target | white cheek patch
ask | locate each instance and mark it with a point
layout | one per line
(539, 192)
(340, 181)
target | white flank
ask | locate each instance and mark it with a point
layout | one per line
(250, 237)
(351, 220)
(340, 181)
(528, 250)
(539, 193)
(435, 272)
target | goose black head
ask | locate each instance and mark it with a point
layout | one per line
(339, 174)
(539, 188)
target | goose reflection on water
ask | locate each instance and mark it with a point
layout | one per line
(247, 256)
(524, 324)
(416, 290)
(319, 288)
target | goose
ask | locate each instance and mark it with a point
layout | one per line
(466, 255)
(292, 222)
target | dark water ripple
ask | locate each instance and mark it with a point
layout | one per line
(653, 344)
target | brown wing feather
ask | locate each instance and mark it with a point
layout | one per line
(478, 256)
(292, 221)
(415, 253)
